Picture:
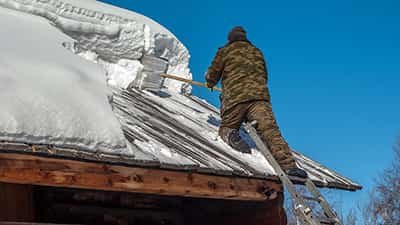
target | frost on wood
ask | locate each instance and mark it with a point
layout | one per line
(117, 42)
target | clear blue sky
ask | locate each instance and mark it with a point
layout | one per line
(334, 70)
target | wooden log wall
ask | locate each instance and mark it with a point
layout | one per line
(74, 206)
(16, 202)
(76, 192)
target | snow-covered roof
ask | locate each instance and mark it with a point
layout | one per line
(54, 65)
(181, 132)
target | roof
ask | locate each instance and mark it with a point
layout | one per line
(181, 132)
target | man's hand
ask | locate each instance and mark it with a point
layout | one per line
(209, 86)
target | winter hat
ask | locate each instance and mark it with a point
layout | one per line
(237, 34)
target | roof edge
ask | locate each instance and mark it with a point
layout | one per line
(46, 171)
(50, 151)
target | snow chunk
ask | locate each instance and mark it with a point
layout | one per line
(122, 73)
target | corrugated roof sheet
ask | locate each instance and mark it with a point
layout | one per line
(180, 132)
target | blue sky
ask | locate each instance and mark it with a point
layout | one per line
(334, 71)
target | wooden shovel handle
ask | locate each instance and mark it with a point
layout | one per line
(188, 81)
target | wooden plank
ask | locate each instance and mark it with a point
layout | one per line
(27, 169)
(111, 199)
(16, 202)
(89, 214)
(223, 212)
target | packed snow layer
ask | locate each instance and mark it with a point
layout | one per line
(110, 36)
(40, 63)
(49, 95)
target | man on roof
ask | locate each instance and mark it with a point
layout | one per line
(245, 97)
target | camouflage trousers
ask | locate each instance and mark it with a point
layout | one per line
(260, 111)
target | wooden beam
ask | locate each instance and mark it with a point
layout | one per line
(28, 169)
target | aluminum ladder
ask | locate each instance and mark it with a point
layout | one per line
(303, 212)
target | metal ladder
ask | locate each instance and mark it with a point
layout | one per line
(303, 212)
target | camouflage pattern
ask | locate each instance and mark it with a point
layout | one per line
(242, 68)
(233, 139)
(260, 111)
(245, 96)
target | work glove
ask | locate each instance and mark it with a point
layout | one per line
(209, 87)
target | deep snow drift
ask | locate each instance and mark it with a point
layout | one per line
(118, 43)
(38, 62)
(49, 95)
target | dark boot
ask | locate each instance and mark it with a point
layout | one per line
(296, 172)
(233, 139)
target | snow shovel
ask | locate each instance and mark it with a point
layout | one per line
(154, 74)
(164, 75)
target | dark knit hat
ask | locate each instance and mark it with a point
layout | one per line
(237, 34)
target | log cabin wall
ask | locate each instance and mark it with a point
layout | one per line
(16, 203)
(26, 203)
(228, 212)
(75, 206)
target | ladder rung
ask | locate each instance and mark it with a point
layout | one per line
(302, 211)
(311, 198)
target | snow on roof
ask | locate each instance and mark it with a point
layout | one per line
(51, 96)
(181, 132)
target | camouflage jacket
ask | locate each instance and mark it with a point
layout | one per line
(243, 71)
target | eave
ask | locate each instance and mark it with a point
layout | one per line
(38, 170)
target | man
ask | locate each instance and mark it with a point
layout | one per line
(245, 97)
